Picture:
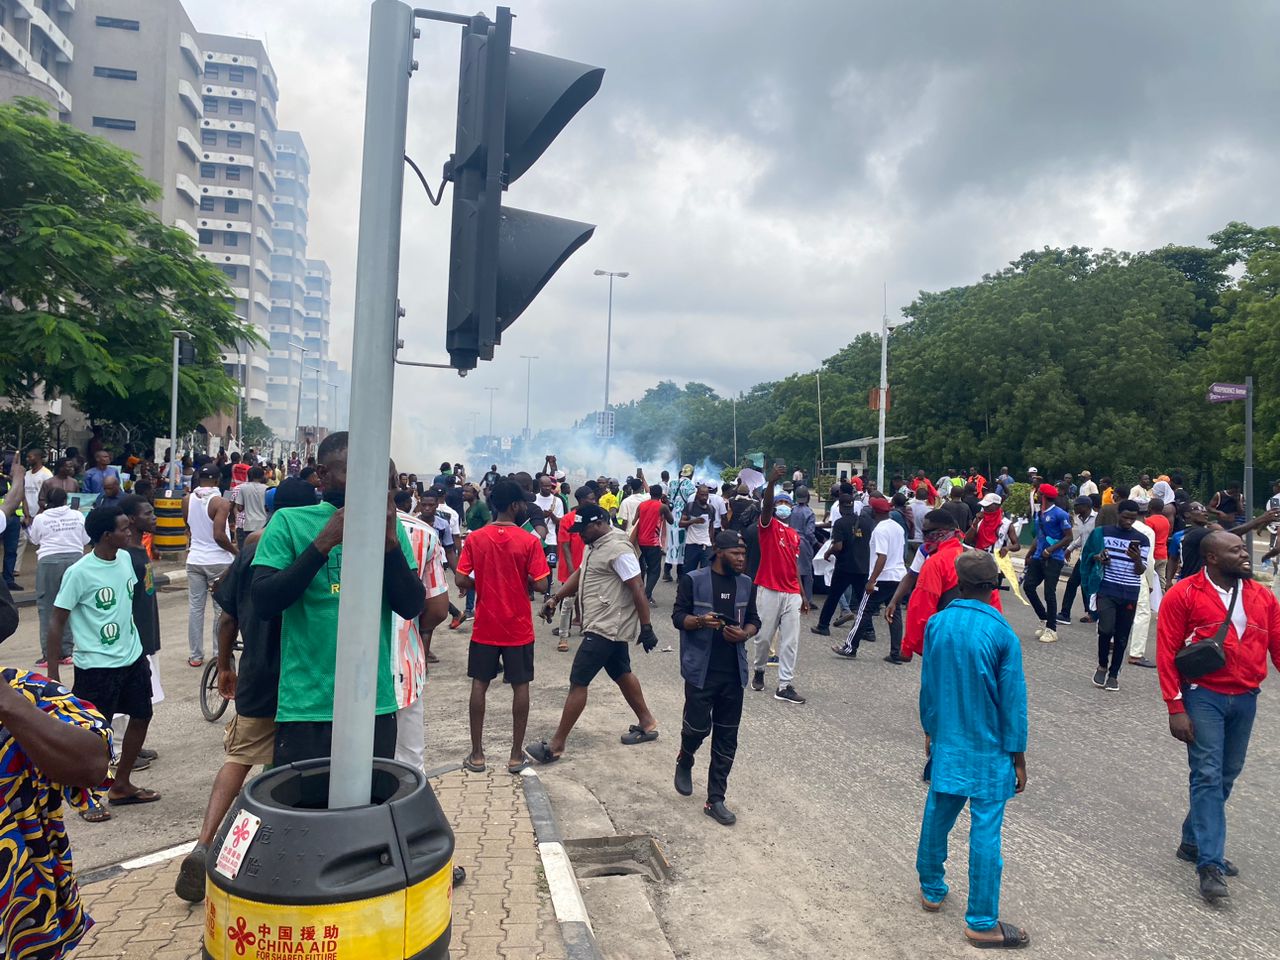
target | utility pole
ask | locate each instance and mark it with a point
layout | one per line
(528, 389)
(821, 448)
(735, 431)
(1248, 459)
(884, 387)
(608, 337)
(175, 460)
(492, 391)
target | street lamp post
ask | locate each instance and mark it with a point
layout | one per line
(608, 339)
(297, 415)
(175, 463)
(492, 391)
(885, 329)
(528, 389)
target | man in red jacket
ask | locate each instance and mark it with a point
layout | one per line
(1214, 714)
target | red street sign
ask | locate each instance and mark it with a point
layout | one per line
(1223, 392)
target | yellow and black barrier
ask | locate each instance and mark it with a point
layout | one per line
(289, 879)
(171, 530)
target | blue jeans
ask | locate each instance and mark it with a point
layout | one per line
(986, 865)
(1223, 723)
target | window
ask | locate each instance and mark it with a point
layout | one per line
(232, 206)
(206, 236)
(233, 173)
(235, 108)
(117, 23)
(208, 171)
(115, 123)
(230, 270)
(234, 141)
(211, 71)
(206, 203)
(115, 73)
(230, 239)
(210, 104)
(208, 138)
(235, 74)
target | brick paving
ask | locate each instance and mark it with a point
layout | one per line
(501, 912)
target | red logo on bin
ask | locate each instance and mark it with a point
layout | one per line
(241, 936)
(240, 833)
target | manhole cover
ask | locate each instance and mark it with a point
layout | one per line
(618, 856)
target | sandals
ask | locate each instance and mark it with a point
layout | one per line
(143, 795)
(1011, 938)
(541, 751)
(637, 734)
(95, 814)
(469, 764)
(563, 646)
(929, 906)
(515, 769)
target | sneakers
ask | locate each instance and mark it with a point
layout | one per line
(757, 680)
(1047, 636)
(840, 650)
(1065, 619)
(894, 658)
(66, 661)
(1145, 662)
(1212, 887)
(457, 621)
(1100, 677)
(1191, 853)
(1039, 632)
(720, 813)
(1112, 685)
(773, 660)
(820, 630)
(684, 780)
(190, 883)
(788, 694)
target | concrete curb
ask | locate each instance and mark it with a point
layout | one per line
(99, 874)
(566, 896)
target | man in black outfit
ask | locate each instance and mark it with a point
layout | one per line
(715, 612)
(851, 548)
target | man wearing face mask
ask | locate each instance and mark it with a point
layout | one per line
(610, 590)
(778, 591)
(297, 576)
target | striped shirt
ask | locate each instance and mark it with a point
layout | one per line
(409, 657)
(1120, 576)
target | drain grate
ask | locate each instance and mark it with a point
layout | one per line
(636, 854)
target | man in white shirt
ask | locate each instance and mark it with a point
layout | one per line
(250, 499)
(37, 474)
(888, 551)
(1140, 492)
(1087, 487)
(59, 537)
(628, 507)
(719, 504)
(552, 508)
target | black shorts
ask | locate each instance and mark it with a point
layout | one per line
(298, 740)
(114, 690)
(485, 659)
(597, 653)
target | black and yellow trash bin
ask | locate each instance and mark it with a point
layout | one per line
(289, 879)
(171, 529)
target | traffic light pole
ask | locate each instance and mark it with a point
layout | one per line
(391, 31)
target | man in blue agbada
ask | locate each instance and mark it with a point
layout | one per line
(973, 707)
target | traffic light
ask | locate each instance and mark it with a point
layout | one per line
(511, 105)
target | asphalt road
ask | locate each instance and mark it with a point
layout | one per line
(821, 862)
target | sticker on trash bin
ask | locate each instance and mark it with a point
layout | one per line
(236, 844)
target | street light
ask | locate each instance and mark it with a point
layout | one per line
(492, 391)
(175, 464)
(297, 415)
(608, 339)
(885, 329)
(528, 389)
(317, 423)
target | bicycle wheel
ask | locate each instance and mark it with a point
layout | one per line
(212, 703)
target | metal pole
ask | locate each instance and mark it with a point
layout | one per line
(175, 469)
(1248, 459)
(297, 412)
(608, 346)
(735, 431)
(317, 405)
(492, 391)
(822, 450)
(372, 387)
(884, 392)
(528, 390)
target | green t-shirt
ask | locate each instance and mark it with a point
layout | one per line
(99, 595)
(478, 515)
(309, 628)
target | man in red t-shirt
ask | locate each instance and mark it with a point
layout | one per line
(500, 561)
(1161, 526)
(571, 549)
(778, 598)
(646, 533)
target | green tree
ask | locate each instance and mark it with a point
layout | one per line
(254, 432)
(92, 282)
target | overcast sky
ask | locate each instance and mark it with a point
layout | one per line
(762, 168)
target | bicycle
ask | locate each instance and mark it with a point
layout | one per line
(212, 703)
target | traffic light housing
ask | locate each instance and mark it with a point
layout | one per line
(511, 105)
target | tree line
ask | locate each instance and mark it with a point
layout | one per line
(1066, 359)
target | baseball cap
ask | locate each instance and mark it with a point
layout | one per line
(1083, 502)
(1048, 490)
(880, 505)
(991, 499)
(587, 513)
(728, 539)
(1032, 470)
(208, 473)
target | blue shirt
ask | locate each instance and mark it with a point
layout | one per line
(93, 478)
(973, 700)
(1051, 526)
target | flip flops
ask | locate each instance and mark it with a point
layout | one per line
(541, 751)
(142, 796)
(637, 734)
(468, 764)
(1011, 938)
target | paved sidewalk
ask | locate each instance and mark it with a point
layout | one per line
(502, 912)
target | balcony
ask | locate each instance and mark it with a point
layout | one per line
(238, 259)
(42, 22)
(187, 140)
(265, 238)
(227, 126)
(284, 173)
(229, 159)
(188, 45)
(259, 362)
(240, 293)
(269, 75)
(231, 93)
(266, 207)
(267, 145)
(235, 193)
(265, 272)
(281, 198)
(188, 94)
(66, 6)
(231, 226)
(261, 300)
(231, 59)
(265, 172)
(188, 229)
(255, 394)
(187, 187)
(269, 111)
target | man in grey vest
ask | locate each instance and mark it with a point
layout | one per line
(610, 591)
(715, 612)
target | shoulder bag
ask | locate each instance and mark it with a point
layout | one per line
(1195, 660)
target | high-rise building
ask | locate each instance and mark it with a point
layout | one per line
(237, 181)
(136, 83)
(315, 334)
(289, 351)
(36, 51)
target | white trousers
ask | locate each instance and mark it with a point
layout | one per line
(779, 612)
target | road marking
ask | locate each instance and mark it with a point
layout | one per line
(160, 856)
